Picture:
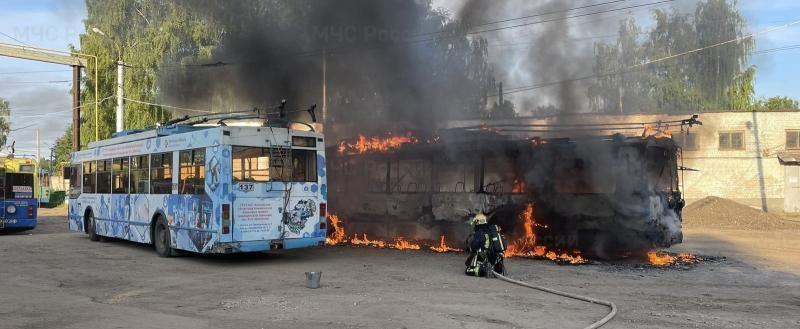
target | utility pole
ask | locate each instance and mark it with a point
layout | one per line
(500, 92)
(38, 168)
(120, 96)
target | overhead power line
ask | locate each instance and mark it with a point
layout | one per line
(15, 39)
(641, 66)
(522, 17)
(166, 106)
(569, 17)
(332, 51)
(32, 82)
(32, 72)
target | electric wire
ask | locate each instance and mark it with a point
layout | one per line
(32, 72)
(15, 39)
(341, 50)
(167, 106)
(568, 17)
(641, 66)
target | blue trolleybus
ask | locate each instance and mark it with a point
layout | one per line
(17, 196)
(212, 189)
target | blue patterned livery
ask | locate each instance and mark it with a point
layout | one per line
(212, 189)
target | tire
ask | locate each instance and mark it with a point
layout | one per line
(91, 227)
(162, 241)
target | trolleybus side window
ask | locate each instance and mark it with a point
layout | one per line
(304, 166)
(192, 171)
(103, 176)
(161, 173)
(74, 181)
(89, 177)
(120, 176)
(140, 174)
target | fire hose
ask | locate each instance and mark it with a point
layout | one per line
(595, 325)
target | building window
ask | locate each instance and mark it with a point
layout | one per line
(161, 173)
(686, 140)
(120, 176)
(140, 175)
(89, 177)
(103, 176)
(192, 172)
(731, 140)
(793, 139)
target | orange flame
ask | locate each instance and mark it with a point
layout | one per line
(401, 244)
(518, 186)
(338, 231)
(656, 132)
(375, 144)
(660, 260)
(665, 259)
(443, 247)
(525, 246)
(367, 242)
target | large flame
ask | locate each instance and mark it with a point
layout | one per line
(338, 231)
(375, 144)
(525, 246)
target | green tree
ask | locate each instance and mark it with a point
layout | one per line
(777, 103)
(141, 34)
(711, 79)
(63, 147)
(5, 128)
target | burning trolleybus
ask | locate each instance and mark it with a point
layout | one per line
(212, 189)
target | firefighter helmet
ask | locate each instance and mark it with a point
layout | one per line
(479, 219)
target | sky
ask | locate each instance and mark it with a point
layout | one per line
(40, 97)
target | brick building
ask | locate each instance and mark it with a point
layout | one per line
(750, 157)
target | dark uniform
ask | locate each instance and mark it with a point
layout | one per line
(486, 249)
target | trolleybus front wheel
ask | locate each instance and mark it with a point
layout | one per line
(161, 238)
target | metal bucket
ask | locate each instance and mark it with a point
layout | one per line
(312, 279)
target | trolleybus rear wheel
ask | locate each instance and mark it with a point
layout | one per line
(91, 227)
(161, 238)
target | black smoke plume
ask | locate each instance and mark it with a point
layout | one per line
(391, 64)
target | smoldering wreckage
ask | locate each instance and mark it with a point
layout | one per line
(569, 199)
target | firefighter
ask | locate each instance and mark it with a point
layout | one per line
(485, 248)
